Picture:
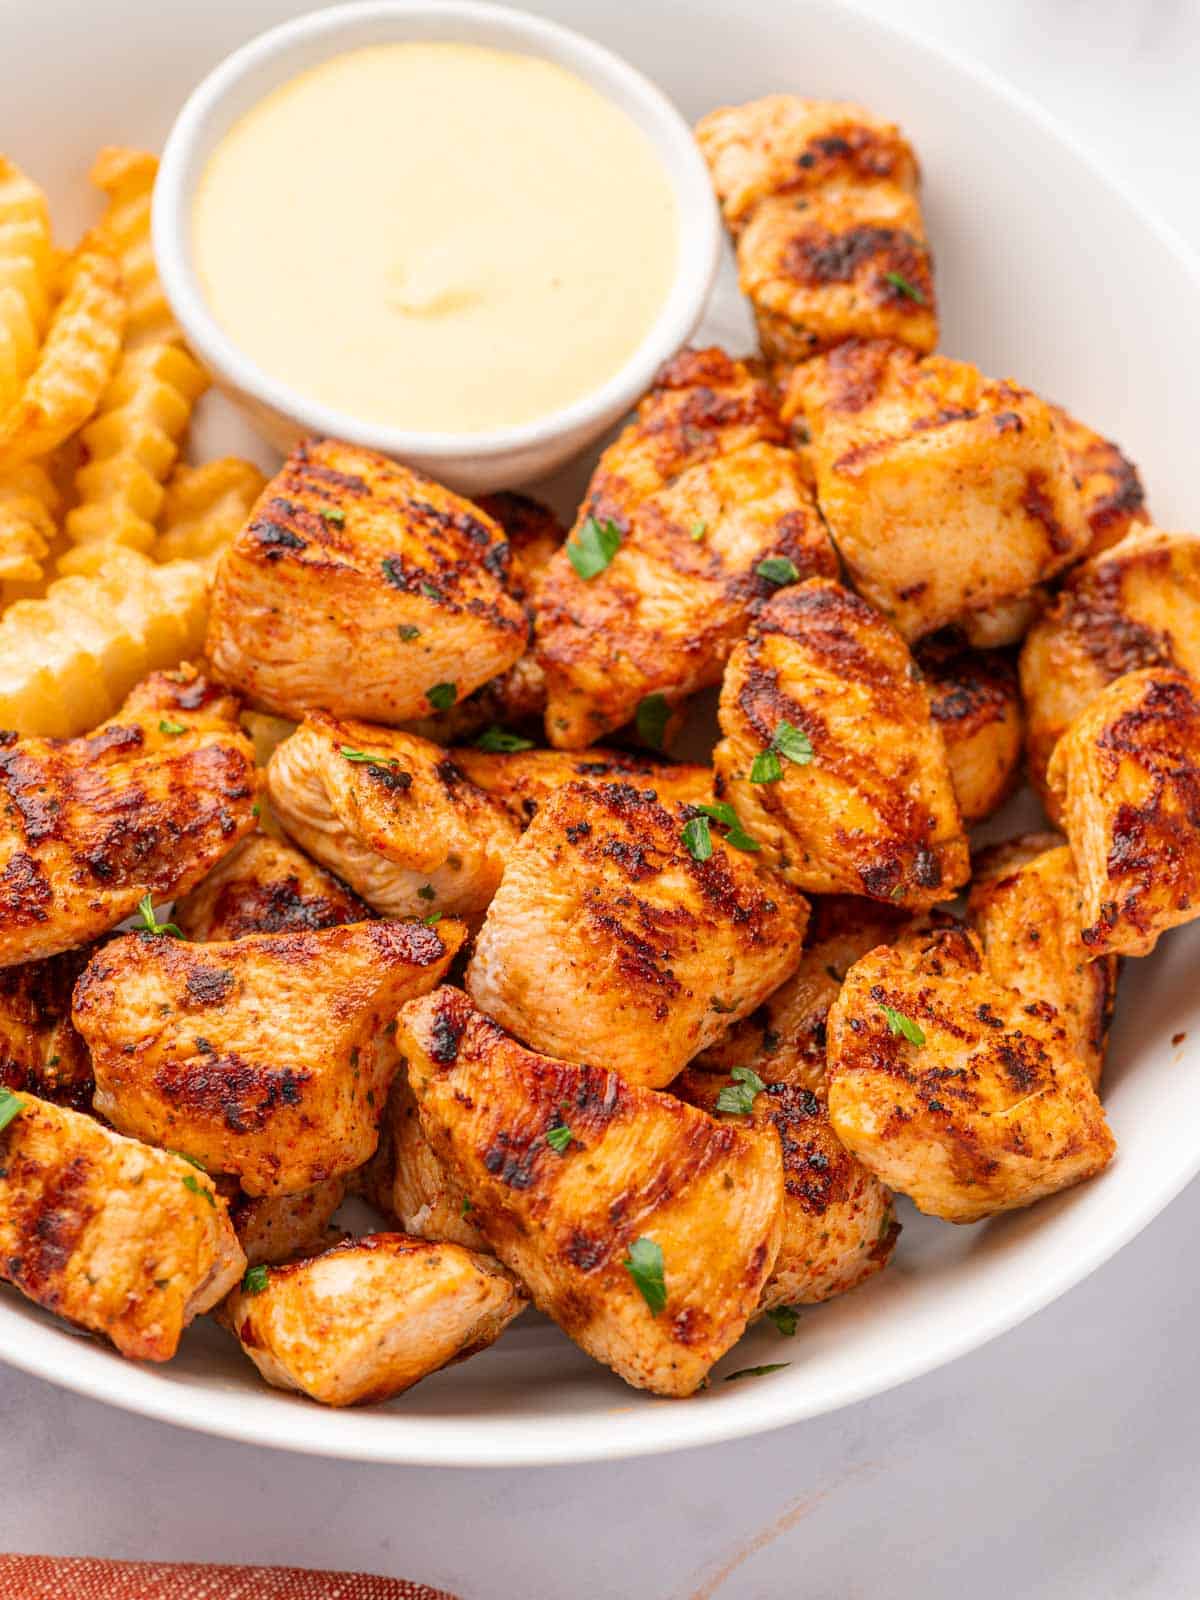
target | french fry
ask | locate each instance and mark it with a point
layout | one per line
(130, 446)
(28, 502)
(127, 179)
(205, 506)
(26, 269)
(69, 659)
(74, 366)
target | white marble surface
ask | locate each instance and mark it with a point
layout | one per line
(1058, 1462)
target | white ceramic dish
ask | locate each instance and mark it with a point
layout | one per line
(1045, 272)
(476, 462)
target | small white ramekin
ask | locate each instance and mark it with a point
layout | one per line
(470, 462)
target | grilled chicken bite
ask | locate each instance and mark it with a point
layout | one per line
(371, 1317)
(693, 497)
(1114, 501)
(525, 779)
(821, 199)
(646, 1229)
(783, 1041)
(278, 1227)
(1125, 778)
(976, 707)
(959, 1092)
(268, 1057)
(857, 797)
(944, 491)
(128, 1242)
(408, 1182)
(1136, 605)
(391, 814)
(1025, 904)
(611, 941)
(146, 803)
(839, 1227)
(360, 586)
(266, 886)
(40, 1049)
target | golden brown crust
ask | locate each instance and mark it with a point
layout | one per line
(1133, 606)
(976, 706)
(275, 1228)
(1125, 778)
(525, 779)
(702, 491)
(146, 803)
(40, 1049)
(1110, 487)
(128, 1242)
(267, 1057)
(821, 199)
(639, 1165)
(345, 554)
(839, 1228)
(988, 1110)
(944, 491)
(654, 953)
(266, 886)
(873, 812)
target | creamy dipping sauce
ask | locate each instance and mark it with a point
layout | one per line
(436, 236)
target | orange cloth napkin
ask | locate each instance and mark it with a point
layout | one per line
(82, 1578)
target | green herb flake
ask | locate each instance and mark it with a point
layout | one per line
(697, 839)
(431, 591)
(785, 1319)
(699, 529)
(11, 1107)
(593, 547)
(191, 1161)
(441, 696)
(735, 835)
(644, 1264)
(907, 289)
(197, 1187)
(255, 1280)
(651, 720)
(778, 570)
(408, 631)
(169, 725)
(559, 1138)
(256, 811)
(738, 1097)
(901, 1026)
(757, 1372)
(351, 754)
(792, 743)
(332, 514)
(151, 924)
(500, 742)
(766, 768)
(427, 892)
(466, 1208)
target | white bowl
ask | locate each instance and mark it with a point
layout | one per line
(1042, 273)
(470, 462)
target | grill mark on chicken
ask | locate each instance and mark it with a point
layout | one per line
(821, 256)
(1036, 503)
(209, 986)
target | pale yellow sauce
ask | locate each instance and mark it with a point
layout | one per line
(436, 236)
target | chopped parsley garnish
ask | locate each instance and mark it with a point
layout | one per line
(593, 547)
(169, 725)
(431, 591)
(787, 741)
(901, 1026)
(427, 892)
(407, 631)
(907, 289)
(651, 720)
(466, 1207)
(191, 1161)
(559, 1137)
(442, 696)
(255, 1280)
(197, 1187)
(697, 839)
(785, 1319)
(644, 1264)
(256, 811)
(699, 529)
(332, 514)
(778, 570)
(735, 835)
(151, 924)
(432, 920)
(500, 741)
(351, 754)
(738, 1097)
(393, 571)
(756, 1372)
(11, 1107)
